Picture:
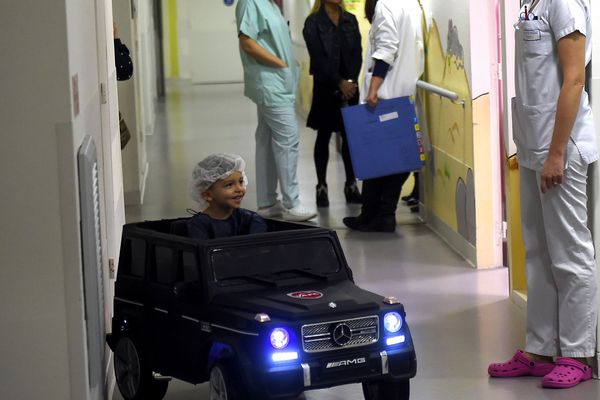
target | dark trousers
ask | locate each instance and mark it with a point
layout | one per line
(321, 155)
(381, 195)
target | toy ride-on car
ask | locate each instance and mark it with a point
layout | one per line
(262, 316)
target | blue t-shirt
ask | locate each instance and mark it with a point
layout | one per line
(241, 222)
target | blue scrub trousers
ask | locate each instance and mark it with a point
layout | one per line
(277, 155)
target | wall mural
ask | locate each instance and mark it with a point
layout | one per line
(454, 47)
(449, 165)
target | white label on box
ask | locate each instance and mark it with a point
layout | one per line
(388, 116)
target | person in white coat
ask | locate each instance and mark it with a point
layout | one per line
(553, 129)
(395, 60)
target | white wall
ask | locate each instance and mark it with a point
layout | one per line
(481, 50)
(208, 42)
(30, 209)
(135, 165)
(145, 58)
(42, 340)
(510, 10)
(137, 96)
(459, 11)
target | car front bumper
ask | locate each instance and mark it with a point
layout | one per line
(327, 370)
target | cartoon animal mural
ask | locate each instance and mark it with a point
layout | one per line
(448, 174)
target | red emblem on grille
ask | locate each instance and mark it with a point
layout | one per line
(306, 295)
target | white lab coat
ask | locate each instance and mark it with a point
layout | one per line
(561, 273)
(396, 37)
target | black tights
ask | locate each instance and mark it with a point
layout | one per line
(321, 155)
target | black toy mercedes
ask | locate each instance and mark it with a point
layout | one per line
(262, 316)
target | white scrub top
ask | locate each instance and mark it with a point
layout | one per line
(538, 79)
(396, 37)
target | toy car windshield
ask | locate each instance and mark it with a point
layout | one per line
(272, 264)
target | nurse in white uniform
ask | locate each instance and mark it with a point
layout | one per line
(554, 133)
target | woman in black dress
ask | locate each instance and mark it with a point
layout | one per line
(334, 44)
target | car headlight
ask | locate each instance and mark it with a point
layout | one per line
(392, 322)
(280, 338)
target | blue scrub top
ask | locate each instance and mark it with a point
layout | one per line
(262, 21)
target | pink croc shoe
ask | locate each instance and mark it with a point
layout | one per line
(519, 365)
(566, 374)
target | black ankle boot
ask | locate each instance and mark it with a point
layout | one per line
(352, 194)
(378, 224)
(322, 197)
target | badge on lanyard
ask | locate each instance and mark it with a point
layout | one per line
(530, 35)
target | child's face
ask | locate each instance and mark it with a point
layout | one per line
(227, 192)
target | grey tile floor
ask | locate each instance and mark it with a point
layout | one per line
(461, 319)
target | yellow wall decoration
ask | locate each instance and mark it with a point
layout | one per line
(448, 183)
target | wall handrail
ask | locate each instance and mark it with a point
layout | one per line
(440, 91)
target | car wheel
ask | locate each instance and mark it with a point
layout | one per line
(386, 389)
(134, 377)
(222, 386)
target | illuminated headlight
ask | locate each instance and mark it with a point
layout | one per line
(287, 356)
(280, 338)
(392, 322)
(395, 340)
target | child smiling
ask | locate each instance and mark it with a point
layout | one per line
(218, 184)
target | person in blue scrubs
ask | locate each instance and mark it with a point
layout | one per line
(270, 77)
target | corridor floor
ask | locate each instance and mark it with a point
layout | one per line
(461, 319)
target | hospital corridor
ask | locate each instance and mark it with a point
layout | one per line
(460, 318)
(300, 200)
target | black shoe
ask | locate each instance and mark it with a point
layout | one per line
(381, 225)
(352, 194)
(410, 200)
(353, 223)
(322, 197)
(413, 201)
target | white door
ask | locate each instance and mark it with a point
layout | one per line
(209, 42)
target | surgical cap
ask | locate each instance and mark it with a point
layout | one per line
(213, 168)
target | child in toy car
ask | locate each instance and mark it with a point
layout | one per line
(218, 184)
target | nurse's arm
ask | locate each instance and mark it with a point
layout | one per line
(259, 53)
(571, 54)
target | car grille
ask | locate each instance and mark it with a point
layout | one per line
(320, 337)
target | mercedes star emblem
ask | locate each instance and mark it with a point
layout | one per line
(341, 334)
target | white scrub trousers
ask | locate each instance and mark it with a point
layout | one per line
(561, 273)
